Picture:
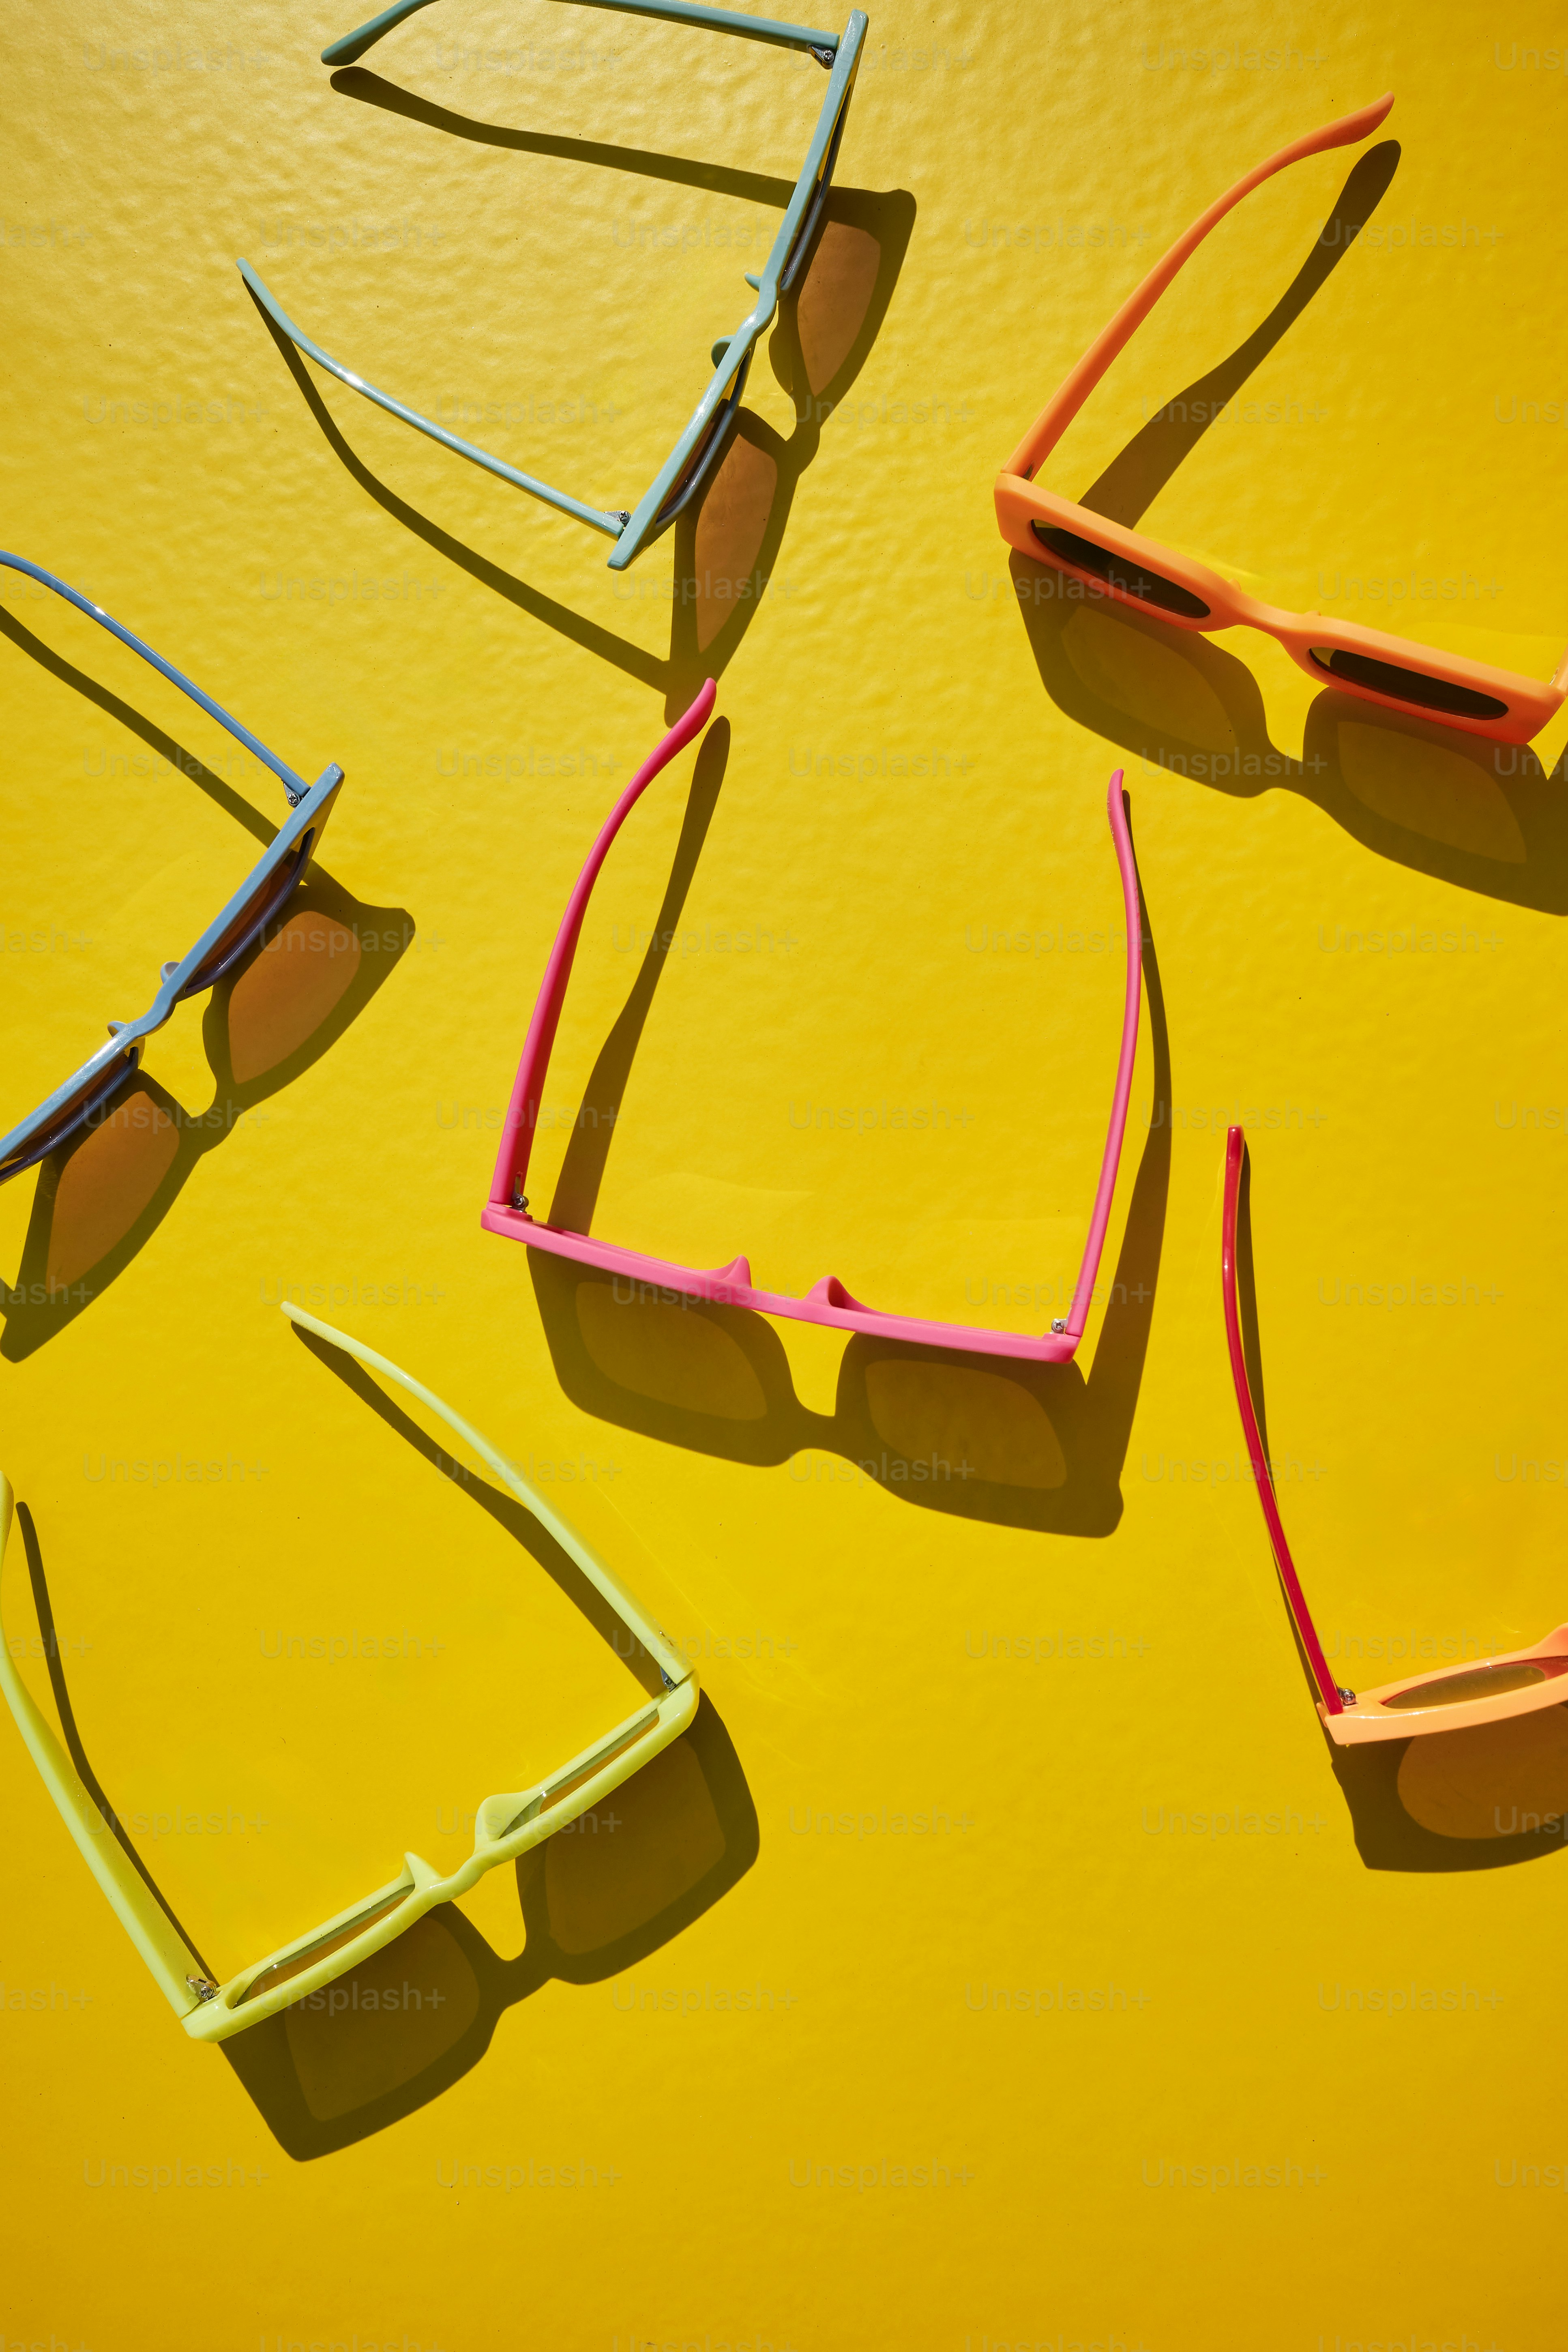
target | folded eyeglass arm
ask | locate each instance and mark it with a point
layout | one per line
(1115, 809)
(611, 521)
(1263, 1477)
(708, 20)
(146, 1923)
(295, 786)
(522, 1112)
(1064, 405)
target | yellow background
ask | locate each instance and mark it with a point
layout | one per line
(1318, 1980)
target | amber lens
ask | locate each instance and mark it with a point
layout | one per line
(285, 994)
(1119, 571)
(1408, 684)
(108, 1181)
(262, 904)
(1479, 1682)
(68, 1116)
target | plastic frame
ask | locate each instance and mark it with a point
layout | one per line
(828, 1303)
(1393, 1710)
(1025, 511)
(505, 1826)
(90, 1089)
(696, 452)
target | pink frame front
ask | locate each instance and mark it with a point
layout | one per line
(828, 1302)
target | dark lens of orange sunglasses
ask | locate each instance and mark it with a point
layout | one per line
(1408, 684)
(1117, 572)
(1479, 1682)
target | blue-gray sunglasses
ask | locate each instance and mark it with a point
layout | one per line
(253, 906)
(691, 460)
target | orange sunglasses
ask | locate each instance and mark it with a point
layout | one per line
(1158, 580)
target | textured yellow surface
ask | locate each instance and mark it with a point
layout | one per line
(1003, 1963)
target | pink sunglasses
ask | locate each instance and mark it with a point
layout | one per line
(828, 1302)
(1441, 1700)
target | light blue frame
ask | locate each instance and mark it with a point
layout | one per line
(104, 1072)
(692, 459)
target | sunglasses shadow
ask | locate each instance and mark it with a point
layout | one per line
(1473, 1799)
(727, 542)
(1484, 816)
(102, 1195)
(1458, 807)
(1015, 1445)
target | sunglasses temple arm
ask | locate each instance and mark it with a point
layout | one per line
(522, 1112)
(1064, 405)
(1078, 1313)
(295, 786)
(169, 1957)
(1263, 1477)
(596, 518)
(696, 13)
(674, 1668)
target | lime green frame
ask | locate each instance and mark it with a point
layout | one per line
(505, 1827)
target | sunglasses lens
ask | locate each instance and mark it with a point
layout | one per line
(1408, 684)
(109, 1177)
(298, 1962)
(263, 903)
(1119, 571)
(1479, 1682)
(702, 456)
(64, 1121)
(295, 984)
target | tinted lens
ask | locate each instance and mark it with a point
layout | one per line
(1408, 684)
(258, 911)
(1118, 572)
(285, 993)
(67, 1118)
(109, 1180)
(702, 456)
(1479, 1682)
(281, 1971)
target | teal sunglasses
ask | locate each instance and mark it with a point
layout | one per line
(695, 454)
(86, 1095)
